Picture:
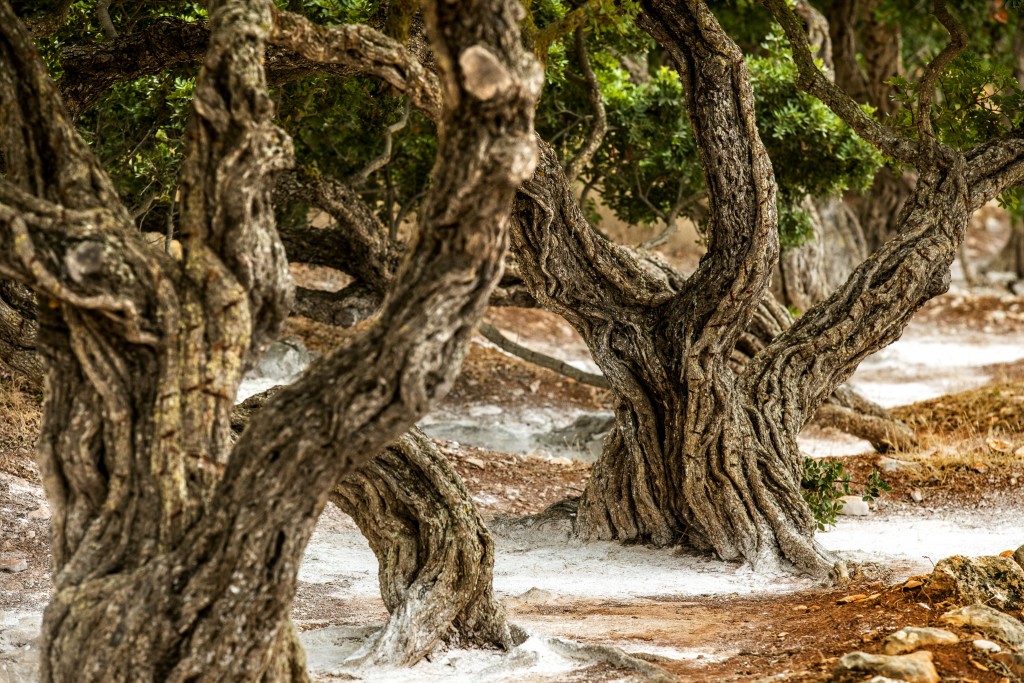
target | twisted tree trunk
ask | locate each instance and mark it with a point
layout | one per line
(436, 557)
(175, 552)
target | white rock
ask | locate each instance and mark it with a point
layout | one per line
(911, 638)
(987, 645)
(854, 506)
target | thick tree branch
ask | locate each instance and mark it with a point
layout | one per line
(232, 157)
(717, 302)
(360, 46)
(805, 364)
(357, 243)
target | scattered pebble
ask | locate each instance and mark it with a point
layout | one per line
(12, 564)
(987, 645)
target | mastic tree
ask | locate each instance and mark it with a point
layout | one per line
(700, 453)
(150, 493)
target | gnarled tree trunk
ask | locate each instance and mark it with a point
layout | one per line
(685, 461)
(809, 273)
(436, 557)
(175, 552)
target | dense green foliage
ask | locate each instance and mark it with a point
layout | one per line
(647, 168)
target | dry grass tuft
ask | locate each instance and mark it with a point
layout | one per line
(20, 417)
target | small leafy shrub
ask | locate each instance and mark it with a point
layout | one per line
(824, 482)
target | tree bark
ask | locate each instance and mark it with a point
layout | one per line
(809, 273)
(18, 330)
(436, 557)
(684, 462)
(175, 554)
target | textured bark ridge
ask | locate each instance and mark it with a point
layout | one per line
(685, 462)
(703, 451)
(143, 354)
(18, 330)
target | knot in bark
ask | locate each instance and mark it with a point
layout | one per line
(84, 259)
(483, 74)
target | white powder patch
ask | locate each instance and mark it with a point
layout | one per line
(917, 368)
(534, 660)
(604, 569)
(913, 544)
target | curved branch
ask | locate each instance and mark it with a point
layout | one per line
(718, 300)
(845, 107)
(361, 47)
(600, 125)
(357, 243)
(90, 70)
(494, 335)
(926, 86)
(385, 156)
(233, 154)
(804, 365)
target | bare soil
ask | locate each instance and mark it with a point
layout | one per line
(971, 457)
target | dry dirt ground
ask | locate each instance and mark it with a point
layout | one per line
(970, 459)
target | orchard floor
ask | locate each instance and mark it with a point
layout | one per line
(523, 438)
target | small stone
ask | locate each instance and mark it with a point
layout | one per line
(986, 645)
(13, 565)
(989, 621)
(916, 496)
(41, 512)
(475, 462)
(854, 506)
(1018, 556)
(534, 596)
(911, 638)
(989, 580)
(915, 668)
(852, 598)
(1000, 446)
(887, 464)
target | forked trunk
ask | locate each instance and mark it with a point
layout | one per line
(681, 467)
